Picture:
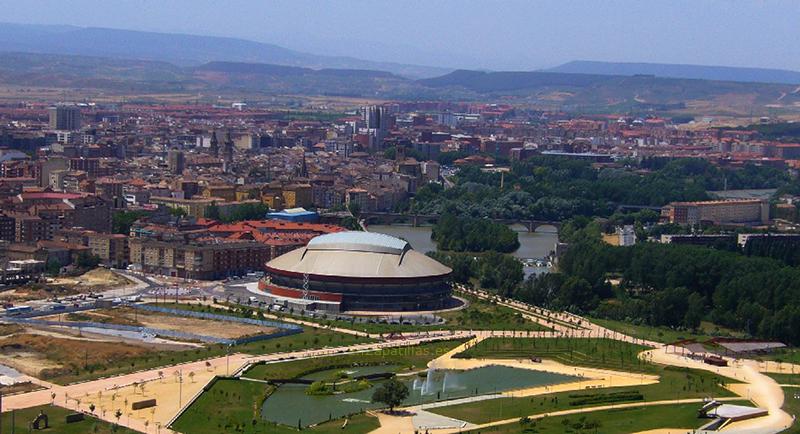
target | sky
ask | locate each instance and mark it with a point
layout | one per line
(489, 34)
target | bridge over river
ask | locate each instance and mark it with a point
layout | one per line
(388, 218)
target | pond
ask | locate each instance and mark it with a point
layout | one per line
(289, 404)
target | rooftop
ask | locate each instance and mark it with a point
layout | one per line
(359, 242)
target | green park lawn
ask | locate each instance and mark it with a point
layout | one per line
(786, 378)
(674, 383)
(231, 405)
(706, 331)
(792, 406)
(57, 420)
(785, 355)
(411, 357)
(478, 315)
(594, 352)
(616, 421)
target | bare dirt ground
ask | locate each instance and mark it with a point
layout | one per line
(222, 329)
(126, 316)
(94, 278)
(33, 353)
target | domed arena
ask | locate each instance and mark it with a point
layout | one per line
(359, 271)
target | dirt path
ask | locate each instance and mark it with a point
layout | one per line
(755, 386)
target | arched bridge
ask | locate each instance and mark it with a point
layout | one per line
(389, 218)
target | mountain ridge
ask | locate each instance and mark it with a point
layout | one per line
(181, 49)
(680, 70)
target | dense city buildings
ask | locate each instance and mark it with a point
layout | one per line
(69, 173)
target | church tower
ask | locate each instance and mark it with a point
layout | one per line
(214, 148)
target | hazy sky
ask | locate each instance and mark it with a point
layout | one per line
(509, 34)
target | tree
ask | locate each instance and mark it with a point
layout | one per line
(87, 260)
(178, 212)
(53, 266)
(391, 393)
(122, 221)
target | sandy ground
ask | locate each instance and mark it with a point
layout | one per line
(222, 329)
(761, 389)
(393, 424)
(27, 362)
(94, 278)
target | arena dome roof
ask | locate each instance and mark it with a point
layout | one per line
(358, 255)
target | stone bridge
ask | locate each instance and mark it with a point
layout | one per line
(388, 218)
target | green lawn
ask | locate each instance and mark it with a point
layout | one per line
(706, 331)
(792, 406)
(235, 405)
(597, 353)
(657, 334)
(479, 315)
(617, 421)
(411, 357)
(231, 405)
(56, 419)
(786, 378)
(786, 355)
(675, 383)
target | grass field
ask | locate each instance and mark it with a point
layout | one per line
(412, 357)
(235, 406)
(478, 315)
(786, 378)
(657, 334)
(64, 361)
(675, 383)
(791, 405)
(56, 419)
(616, 421)
(595, 353)
(785, 355)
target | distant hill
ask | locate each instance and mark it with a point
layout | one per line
(614, 92)
(718, 73)
(481, 81)
(180, 49)
(563, 91)
(51, 70)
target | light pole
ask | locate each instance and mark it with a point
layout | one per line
(227, 360)
(180, 389)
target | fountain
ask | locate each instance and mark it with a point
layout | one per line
(427, 388)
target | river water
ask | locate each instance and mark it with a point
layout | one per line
(532, 244)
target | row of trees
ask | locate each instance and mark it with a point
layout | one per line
(553, 188)
(247, 211)
(495, 271)
(466, 234)
(672, 285)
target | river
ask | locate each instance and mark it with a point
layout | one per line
(532, 244)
